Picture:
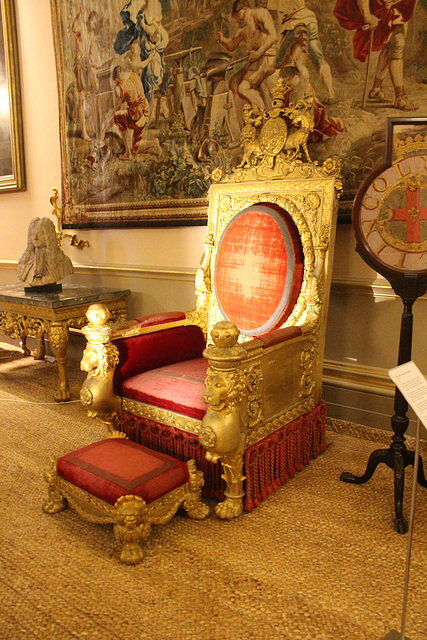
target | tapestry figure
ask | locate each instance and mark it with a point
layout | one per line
(388, 20)
(257, 34)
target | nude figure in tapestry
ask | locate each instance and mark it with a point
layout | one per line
(257, 34)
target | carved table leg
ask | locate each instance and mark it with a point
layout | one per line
(58, 336)
(23, 345)
(40, 351)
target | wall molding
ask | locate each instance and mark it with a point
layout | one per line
(122, 271)
(357, 378)
(353, 286)
(361, 286)
(379, 288)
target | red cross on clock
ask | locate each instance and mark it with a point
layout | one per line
(413, 214)
(378, 218)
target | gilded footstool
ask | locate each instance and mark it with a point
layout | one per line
(120, 482)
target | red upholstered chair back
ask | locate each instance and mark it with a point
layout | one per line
(259, 269)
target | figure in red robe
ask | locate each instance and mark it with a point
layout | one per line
(387, 19)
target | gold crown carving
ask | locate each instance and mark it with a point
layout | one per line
(410, 144)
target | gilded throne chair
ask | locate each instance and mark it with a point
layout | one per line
(235, 384)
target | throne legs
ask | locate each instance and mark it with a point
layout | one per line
(232, 466)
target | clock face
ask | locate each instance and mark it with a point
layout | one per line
(390, 216)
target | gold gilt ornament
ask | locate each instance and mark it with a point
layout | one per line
(274, 142)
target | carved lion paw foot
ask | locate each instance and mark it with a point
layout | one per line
(131, 553)
(54, 504)
(230, 508)
(197, 511)
(38, 355)
(63, 395)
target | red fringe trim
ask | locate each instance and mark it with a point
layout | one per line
(267, 464)
(272, 461)
(176, 443)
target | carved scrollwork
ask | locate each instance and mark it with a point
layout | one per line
(17, 325)
(253, 381)
(55, 502)
(332, 167)
(266, 428)
(163, 416)
(58, 336)
(86, 397)
(90, 507)
(308, 359)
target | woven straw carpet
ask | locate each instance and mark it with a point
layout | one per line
(319, 560)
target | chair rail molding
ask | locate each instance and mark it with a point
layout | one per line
(356, 377)
(122, 271)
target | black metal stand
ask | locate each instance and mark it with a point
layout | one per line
(397, 456)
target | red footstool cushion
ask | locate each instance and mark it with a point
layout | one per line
(115, 467)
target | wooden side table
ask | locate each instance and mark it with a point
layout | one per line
(34, 314)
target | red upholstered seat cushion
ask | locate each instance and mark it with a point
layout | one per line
(115, 467)
(150, 351)
(177, 387)
(259, 269)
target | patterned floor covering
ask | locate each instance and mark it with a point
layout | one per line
(319, 560)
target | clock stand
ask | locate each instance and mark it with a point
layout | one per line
(397, 457)
(390, 224)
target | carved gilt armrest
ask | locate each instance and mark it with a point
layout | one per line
(247, 385)
(117, 351)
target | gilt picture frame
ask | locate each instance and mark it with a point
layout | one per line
(12, 165)
(148, 162)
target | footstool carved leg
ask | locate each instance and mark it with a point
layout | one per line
(55, 501)
(131, 526)
(193, 504)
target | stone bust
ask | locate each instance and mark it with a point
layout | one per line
(43, 261)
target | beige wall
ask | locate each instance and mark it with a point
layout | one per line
(158, 265)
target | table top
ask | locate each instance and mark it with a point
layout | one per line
(70, 295)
